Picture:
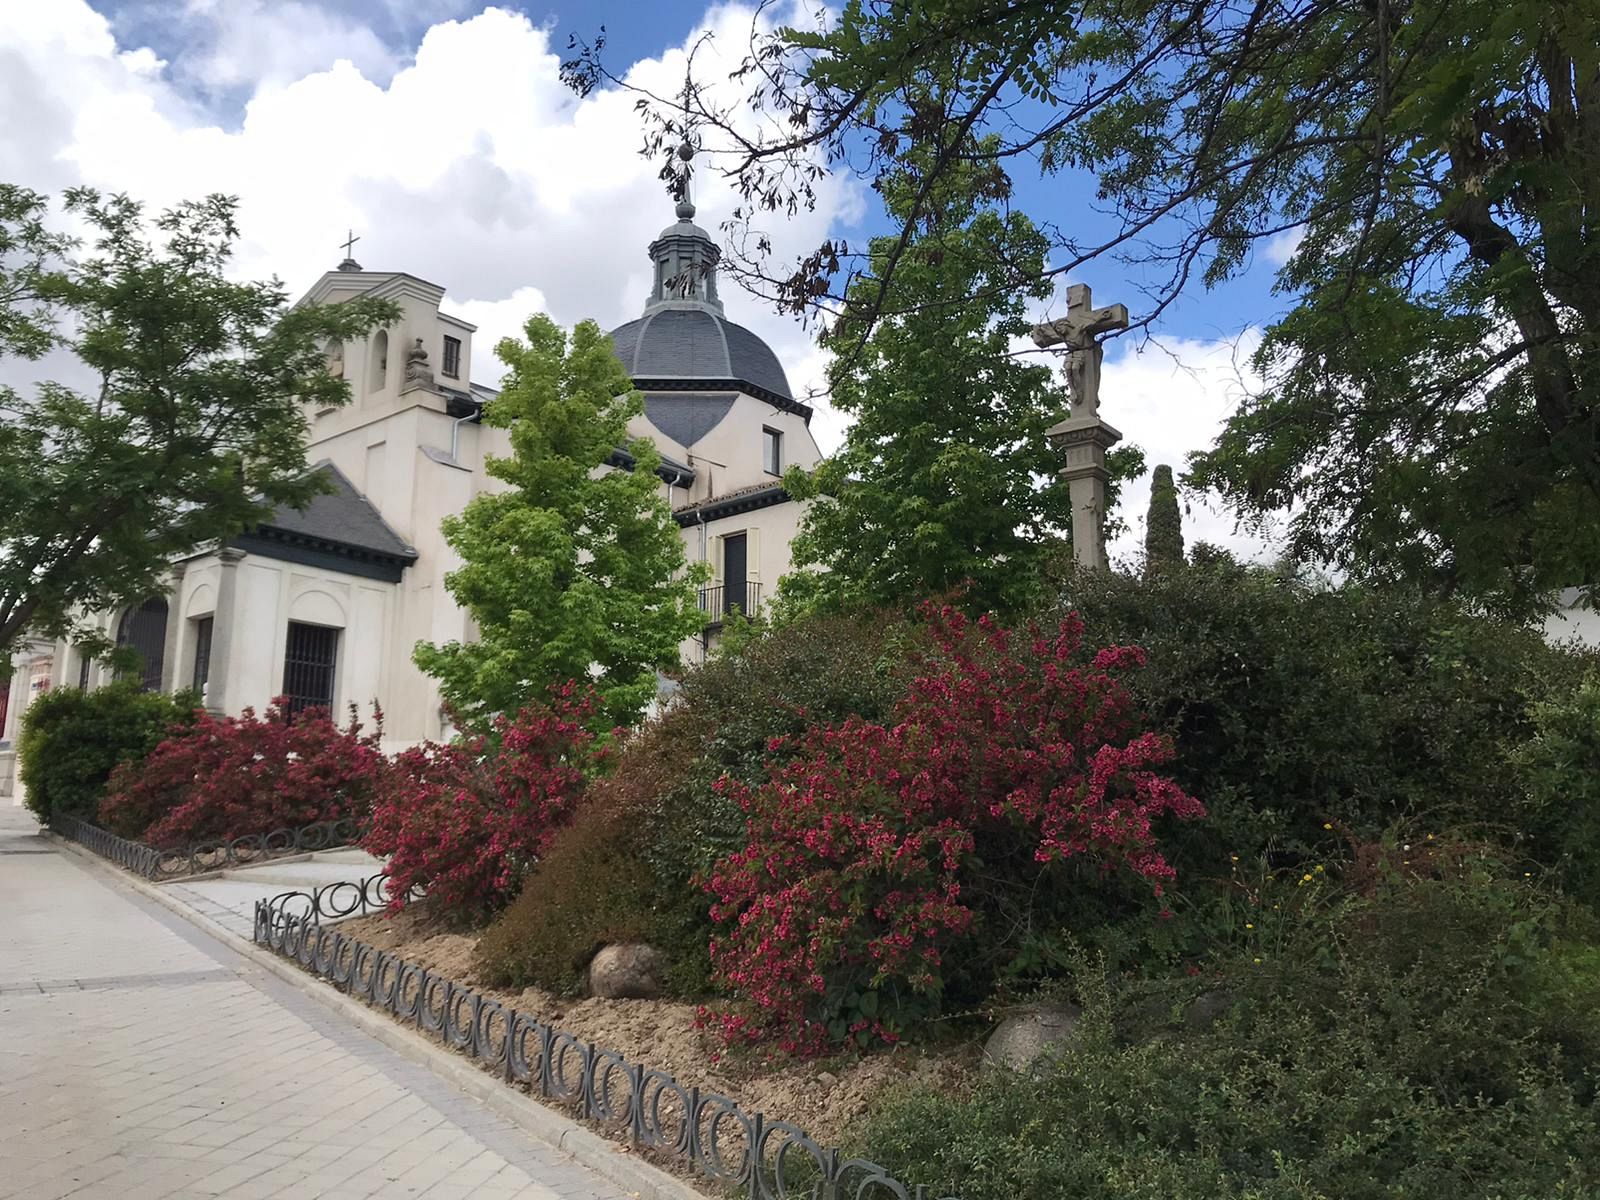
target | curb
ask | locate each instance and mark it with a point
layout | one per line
(611, 1160)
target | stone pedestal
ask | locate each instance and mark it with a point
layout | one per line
(1083, 442)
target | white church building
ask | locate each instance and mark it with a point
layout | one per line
(324, 605)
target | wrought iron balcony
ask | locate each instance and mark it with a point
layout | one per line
(721, 599)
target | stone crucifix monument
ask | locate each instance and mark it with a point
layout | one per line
(1083, 436)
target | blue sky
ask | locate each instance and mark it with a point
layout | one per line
(638, 30)
(438, 130)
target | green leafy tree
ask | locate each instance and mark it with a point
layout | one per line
(1163, 529)
(946, 479)
(574, 571)
(1430, 408)
(196, 428)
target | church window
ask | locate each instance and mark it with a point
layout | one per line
(308, 662)
(202, 653)
(452, 357)
(772, 451)
(380, 362)
(144, 631)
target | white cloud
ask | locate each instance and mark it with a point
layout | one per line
(1170, 397)
(1280, 247)
(467, 162)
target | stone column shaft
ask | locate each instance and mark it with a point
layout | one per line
(1084, 442)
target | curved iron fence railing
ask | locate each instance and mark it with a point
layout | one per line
(768, 1160)
(215, 855)
(135, 856)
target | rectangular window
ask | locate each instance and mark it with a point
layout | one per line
(452, 357)
(308, 661)
(772, 451)
(202, 653)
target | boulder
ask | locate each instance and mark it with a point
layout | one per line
(1023, 1039)
(627, 971)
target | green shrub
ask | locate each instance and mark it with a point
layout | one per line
(72, 740)
(1560, 769)
(624, 869)
(1295, 706)
(1434, 1039)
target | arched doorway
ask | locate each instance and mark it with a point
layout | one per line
(144, 629)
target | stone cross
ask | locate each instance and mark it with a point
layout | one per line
(1079, 331)
(1083, 437)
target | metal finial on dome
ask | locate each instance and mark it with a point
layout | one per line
(685, 207)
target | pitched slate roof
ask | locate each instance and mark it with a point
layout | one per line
(340, 530)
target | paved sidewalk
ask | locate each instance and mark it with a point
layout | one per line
(142, 1059)
(230, 898)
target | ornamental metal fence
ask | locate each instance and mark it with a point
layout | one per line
(765, 1159)
(217, 854)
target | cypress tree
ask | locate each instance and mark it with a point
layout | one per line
(1163, 530)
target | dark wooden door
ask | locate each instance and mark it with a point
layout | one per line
(734, 567)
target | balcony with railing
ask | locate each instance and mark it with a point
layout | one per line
(721, 599)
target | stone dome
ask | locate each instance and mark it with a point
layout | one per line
(683, 339)
(687, 341)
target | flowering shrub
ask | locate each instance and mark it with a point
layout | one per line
(653, 823)
(882, 858)
(234, 776)
(466, 821)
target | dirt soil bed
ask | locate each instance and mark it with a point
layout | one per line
(826, 1098)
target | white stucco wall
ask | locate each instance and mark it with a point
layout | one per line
(269, 594)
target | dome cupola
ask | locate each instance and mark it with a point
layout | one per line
(683, 342)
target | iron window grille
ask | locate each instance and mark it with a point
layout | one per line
(309, 657)
(144, 630)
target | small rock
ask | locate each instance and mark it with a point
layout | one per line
(827, 1079)
(627, 971)
(1025, 1038)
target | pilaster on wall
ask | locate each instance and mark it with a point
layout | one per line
(222, 631)
(169, 648)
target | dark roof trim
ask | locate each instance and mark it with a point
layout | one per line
(283, 546)
(670, 471)
(728, 506)
(653, 383)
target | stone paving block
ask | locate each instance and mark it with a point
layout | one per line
(160, 1063)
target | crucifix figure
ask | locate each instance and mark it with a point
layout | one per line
(1079, 331)
(1083, 436)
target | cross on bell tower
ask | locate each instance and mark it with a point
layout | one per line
(349, 263)
(1083, 437)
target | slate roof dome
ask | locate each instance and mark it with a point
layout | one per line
(683, 337)
(680, 342)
